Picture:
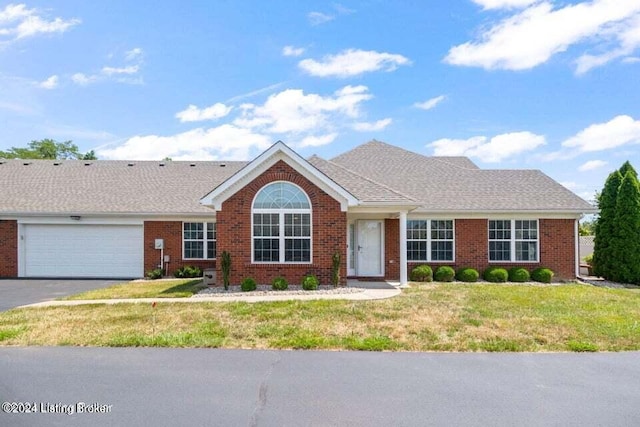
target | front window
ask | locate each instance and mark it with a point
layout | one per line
(199, 240)
(430, 240)
(281, 231)
(513, 240)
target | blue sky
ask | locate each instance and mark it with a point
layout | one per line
(550, 85)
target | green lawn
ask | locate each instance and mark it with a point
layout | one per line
(431, 317)
(179, 288)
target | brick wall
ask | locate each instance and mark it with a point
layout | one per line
(329, 232)
(8, 248)
(171, 232)
(557, 247)
(392, 249)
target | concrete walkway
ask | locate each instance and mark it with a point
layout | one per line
(372, 291)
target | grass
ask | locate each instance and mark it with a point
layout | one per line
(180, 288)
(431, 317)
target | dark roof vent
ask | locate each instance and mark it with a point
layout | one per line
(131, 164)
(88, 164)
(161, 164)
(57, 163)
(26, 163)
(193, 165)
(223, 165)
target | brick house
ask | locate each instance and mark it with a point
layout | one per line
(382, 208)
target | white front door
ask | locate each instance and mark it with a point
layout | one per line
(369, 248)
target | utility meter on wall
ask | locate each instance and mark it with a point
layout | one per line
(159, 243)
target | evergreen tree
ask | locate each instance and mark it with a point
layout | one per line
(625, 241)
(605, 226)
(626, 167)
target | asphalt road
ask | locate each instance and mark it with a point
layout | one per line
(16, 292)
(203, 387)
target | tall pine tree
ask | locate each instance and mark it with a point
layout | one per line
(605, 227)
(625, 241)
(626, 167)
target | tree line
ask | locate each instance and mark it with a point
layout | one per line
(48, 149)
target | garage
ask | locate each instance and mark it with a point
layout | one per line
(82, 250)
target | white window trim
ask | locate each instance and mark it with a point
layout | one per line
(205, 240)
(513, 240)
(281, 238)
(429, 240)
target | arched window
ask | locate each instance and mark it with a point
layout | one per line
(281, 229)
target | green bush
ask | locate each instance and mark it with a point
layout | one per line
(542, 274)
(444, 273)
(467, 274)
(589, 259)
(154, 274)
(422, 273)
(279, 284)
(187, 272)
(518, 274)
(310, 283)
(495, 275)
(248, 284)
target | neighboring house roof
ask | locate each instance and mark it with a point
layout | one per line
(372, 173)
(105, 186)
(455, 184)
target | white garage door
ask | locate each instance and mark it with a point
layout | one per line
(83, 250)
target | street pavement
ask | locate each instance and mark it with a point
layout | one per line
(210, 387)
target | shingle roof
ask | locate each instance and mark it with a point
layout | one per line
(362, 188)
(104, 186)
(374, 172)
(456, 184)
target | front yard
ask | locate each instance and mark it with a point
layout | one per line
(431, 317)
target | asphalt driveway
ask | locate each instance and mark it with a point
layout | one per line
(16, 292)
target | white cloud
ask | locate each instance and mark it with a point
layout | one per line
(353, 62)
(195, 114)
(503, 4)
(294, 111)
(628, 35)
(226, 141)
(133, 54)
(316, 141)
(319, 18)
(531, 37)
(430, 103)
(82, 79)
(129, 69)
(18, 22)
(292, 51)
(591, 165)
(50, 83)
(620, 130)
(128, 73)
(372, 127)
(492, 150)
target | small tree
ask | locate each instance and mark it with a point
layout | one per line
(336, 260)
(625, 241)
(225, 266)
(605, 226)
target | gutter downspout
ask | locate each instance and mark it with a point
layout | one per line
(403, 249)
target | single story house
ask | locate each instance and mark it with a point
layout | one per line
(382, 208)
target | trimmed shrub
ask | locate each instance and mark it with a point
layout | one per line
(422, 273)
(467, 274)
(495, 275)
(310, 283)
(248, 284)
(154, 274)
(542, 274)
(279, 284)
(444, 273)
(187, 272)
(518, 274)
